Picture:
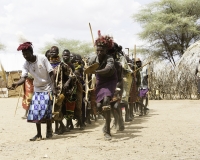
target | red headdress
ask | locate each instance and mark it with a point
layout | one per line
(26, 45)
(105, 41)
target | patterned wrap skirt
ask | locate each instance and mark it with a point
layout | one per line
(40, 108)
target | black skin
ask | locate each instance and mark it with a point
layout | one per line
(66, 59)
(28, 55)
(101, 53)
(66, 56)
(78, 59)
(53, 53)
(72, 57)
(139, 64)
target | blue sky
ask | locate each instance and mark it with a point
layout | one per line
(42, 21)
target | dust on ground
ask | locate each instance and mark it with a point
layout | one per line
(170, 131)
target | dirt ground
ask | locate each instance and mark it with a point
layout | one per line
(170, 131)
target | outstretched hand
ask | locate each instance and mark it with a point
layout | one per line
(13, 86)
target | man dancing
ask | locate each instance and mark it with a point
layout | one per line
(40, 110)
(106, 79)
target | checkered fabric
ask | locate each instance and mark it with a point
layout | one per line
(41, 107)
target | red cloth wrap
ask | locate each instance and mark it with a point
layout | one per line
(25, 45)
(70, 105)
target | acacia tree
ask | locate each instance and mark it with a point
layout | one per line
(170, 27)
(74, 46)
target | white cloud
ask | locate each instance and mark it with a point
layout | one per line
(9, 7)
(43, 21)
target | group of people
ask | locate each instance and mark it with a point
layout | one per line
(57, 88)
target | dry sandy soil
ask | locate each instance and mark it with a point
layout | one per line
(170, 131)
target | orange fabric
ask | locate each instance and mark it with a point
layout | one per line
(28, 93)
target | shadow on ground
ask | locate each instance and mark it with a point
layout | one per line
(76, 131)
(133, 128)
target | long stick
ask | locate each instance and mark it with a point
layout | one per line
(141, 67)
(18, 99)
(135, 60)
(91, 33)
(148, 81)
(54, 97)
(20, 91)
(86, 88)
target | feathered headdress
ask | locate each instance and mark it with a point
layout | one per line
(26, 45)
(105, 41)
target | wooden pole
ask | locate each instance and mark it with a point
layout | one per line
(141, 67)
(148, 71)
(54, 97)
(91, 34)
(18, 99)
(20, 91)
(135, 60)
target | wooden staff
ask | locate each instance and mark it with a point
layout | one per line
(54, 97)
(87, 89)
(18, 99)
(142, 66)
(20, 91)
(135, 60)
(148, 80)
(91, 34)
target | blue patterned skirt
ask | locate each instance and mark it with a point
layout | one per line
(40, 108)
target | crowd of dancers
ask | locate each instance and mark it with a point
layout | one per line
(59, 89)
